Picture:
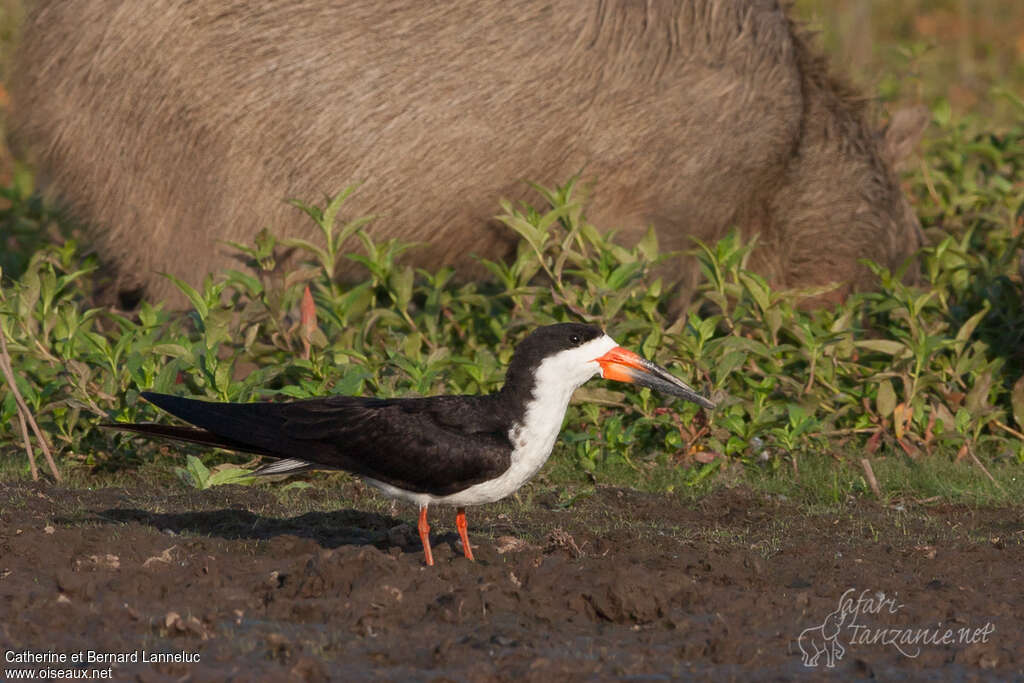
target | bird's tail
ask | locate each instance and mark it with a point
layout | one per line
(208, 438)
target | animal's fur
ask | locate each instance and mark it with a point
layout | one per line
(177, 124)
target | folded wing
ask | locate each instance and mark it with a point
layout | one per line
(439, 444)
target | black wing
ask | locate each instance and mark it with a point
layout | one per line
(437, 445)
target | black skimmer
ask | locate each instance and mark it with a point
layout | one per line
(450, 450)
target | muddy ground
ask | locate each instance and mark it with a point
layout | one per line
(619, 585)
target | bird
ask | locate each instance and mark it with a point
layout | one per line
(454, 450)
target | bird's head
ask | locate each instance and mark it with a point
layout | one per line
(568, 354)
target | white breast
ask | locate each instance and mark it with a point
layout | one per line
(532, 440)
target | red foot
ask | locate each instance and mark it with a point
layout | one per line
(460, 524)
(424, 530)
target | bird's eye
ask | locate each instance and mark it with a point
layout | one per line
(575, 339)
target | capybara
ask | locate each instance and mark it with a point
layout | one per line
(172, 126)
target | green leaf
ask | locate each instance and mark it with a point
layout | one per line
(305, 245)
(977, 397)
(401, 284)
(623, 274)
(191, 293)
(886, 401)
(535, 237)
(648, 245)
(29, 291)
(330, 214)
(963, 420)
(222, 377)
(967, 329)
(309, 247)
(411, 345)
(352, 381)
(230, 475)
(172, 350)
(1017, 401)
(194, 473)
(887, 346)
(728, 364)
(294, 391)
(758, 289)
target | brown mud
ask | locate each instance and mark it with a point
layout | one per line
(619, 585)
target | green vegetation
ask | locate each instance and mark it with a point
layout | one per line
(957, 52)
(924, 381)
(921, 379)
(196, 474)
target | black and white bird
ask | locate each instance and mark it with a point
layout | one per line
(439, 450)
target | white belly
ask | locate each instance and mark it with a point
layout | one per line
(526, 462)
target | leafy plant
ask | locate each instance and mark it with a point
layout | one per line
(909, 371)
(198, 475)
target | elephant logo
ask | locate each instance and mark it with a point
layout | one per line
(823, 640)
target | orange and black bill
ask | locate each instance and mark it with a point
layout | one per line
(623, 365)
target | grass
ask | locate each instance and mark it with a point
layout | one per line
(902, 481)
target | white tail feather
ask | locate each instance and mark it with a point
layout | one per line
(286, 466)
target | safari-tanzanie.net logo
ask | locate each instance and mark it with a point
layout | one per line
(857, 622)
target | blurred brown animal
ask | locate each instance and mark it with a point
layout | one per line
(173, 125)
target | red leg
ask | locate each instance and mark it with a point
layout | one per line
(424, 529)
(460, 524)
